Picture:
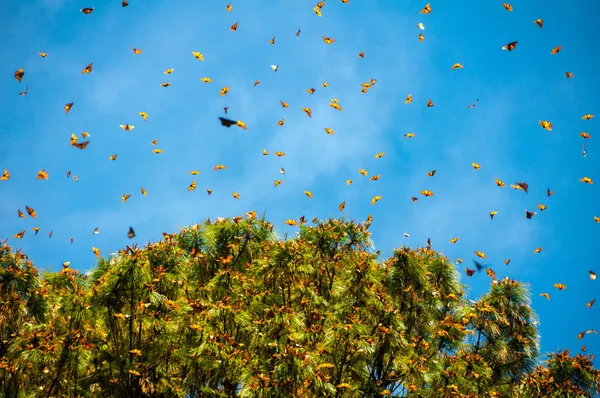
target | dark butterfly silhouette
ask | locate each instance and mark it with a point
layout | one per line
(227, 122)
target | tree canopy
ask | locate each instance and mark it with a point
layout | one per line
(230, 309)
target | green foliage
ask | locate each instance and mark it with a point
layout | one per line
(227, 309)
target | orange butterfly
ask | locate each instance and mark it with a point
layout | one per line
(87, 69)
(556, 50)
(510, 46)
(19, 75)
(426, 9)
(233, 27)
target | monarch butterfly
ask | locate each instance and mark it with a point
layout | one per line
(96, 231)
(474, 104)
(476, 166)
(545, 295)
(431, 173)
(192, 186)
(68, 107)
(317, 11)
(420, 26)
(5, 176)
(228, 8)
(241, 124)
(480, 254)
(539, 22)
(198, 55)
(157, 151)
(523, 185)
(277, 182)
(492, 214)
(529, 214)
(327, 40)
(592, 275)
(584, 135)
(500, 183)
(233, 27)
(87, 69)
(124, 3)
(127, 127)
(131, 233)
(225, 90)
(546, 125)
(311, 90)
(169, 71)
(124, 197)
(325, 84)
(272, 41)
(165, 84)
(143, 191)
(363, 172)
(227, 122)
(426, 192)
(206, 79)
(291, 222)
(426, 9)
(507, 261)
(329, 131)
(24, 92)
(35, 230)
(309, 194)
(113, 157)
(541, 207)
(510, 46)
(208, 191)
(154, 142)
(281, 122)
(375, 199)
(282, 170)
(556, 50)
(379, 155)
(414, 199)
(549, 192)
(137, 51)
(42, 175)
(96, 251)
(409, 99)
(265, 152)
(587, 117)
(219, 167)
(361, 54)
(87, 10)
(375, 177)
(421, 37)
(507, 7)
(592, 301)
(279, 154)
(308, 111)
(470, 272)
(409, 135)
(335, 105)
(454, 240)
(586, 180)
(43, 55)
(342, 206)
(144, 115)
(560, 286)
(457, 66)
(538, 250)
(568, 75)
(298, 32)
(20, 213)
(19, 235)
(256, 83)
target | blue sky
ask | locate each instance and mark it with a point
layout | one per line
(515, 90)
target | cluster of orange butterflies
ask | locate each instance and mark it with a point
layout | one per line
(335, 104)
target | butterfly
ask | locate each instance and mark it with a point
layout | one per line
(421, 37)
(206, 79)
(342, 206)
(198, 55)
(454, 240)
(298, 32)
(480, 254)
(426, 192)
(291, 222)
(124, 197)
(470, 272)
(457, 66)
(157, 151)
(408, 99)
(507, 261)
(233, 27)
(549, 192)
(560, 286)
(420, 26)
(19, 235)
(256, 83)
(277, 182)
(510, 46)
(329, 131)
(592, 275)
(42, 175)
(476, 166)
(235, 195)
(429, 103)
(556, 50)
(220, 167)
(87, 10)
(431, 173)
(568, 75)
(143, 191)
(473, 104)
(5, 175)
(308, 111)
(136, 51)
(328, 40)
(586, 180)
(272, 41)
(124, 3)
(539, 22)
(588, 305)
(500, 183)
(529, 214)
(538, 250)
(545, 295)
(507, 7)
(96, 251)
(379, 155)
(68, 107)
(309, 194)
(584, 135)
(192, 186)
(144, 115)
(375, 199)
(208, 191)
(113, 157)
(43, 55)
(165, 84)
(87, 69)
(225, 90)
(169, 71)
(228, 8)
(131, 233)
(541, 207)
(492, 214)
(409, 135)
(325, 84)
(24, 92)
(281, 122)
(587, 117)
(127, 127)
(361, 54)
